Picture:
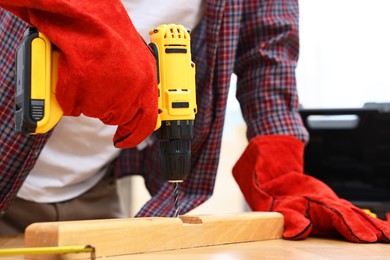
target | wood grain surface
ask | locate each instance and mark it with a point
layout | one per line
(139, 235)
(279, 249)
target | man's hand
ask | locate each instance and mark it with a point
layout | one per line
(270, 175)
(105, 69)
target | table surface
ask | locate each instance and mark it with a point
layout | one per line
(310, 248)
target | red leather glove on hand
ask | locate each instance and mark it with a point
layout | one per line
(105, 69)
(270, 175)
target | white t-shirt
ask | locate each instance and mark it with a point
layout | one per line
(148, 14)
(76, 155)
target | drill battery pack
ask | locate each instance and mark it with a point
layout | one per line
(349, 150)
(36, 108)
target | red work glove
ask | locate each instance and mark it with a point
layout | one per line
(105, 69)
(270, 175)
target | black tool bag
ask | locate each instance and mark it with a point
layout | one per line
(349, 149)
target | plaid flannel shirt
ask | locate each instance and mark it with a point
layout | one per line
(255, 39)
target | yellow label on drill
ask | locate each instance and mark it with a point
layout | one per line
(40, 64)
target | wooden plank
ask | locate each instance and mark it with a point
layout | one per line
(139, 235)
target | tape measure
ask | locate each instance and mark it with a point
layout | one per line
(48, 250)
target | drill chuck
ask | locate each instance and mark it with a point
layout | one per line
(175, 148)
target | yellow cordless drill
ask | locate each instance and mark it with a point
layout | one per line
(37, 110)
(177, 98)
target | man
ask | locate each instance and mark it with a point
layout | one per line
(258, 40)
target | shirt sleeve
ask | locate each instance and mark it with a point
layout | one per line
(266, 60)
(18, 152)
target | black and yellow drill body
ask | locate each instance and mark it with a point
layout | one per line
(177, 99)
(37, 110)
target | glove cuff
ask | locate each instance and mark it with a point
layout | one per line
(272, 156)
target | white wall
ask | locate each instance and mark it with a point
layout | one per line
(345, 52)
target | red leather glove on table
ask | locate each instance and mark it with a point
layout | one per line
(105, 69)
(270, 175)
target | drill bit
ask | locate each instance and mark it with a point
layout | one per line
(176, 200)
